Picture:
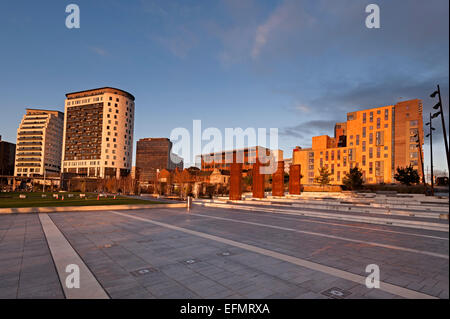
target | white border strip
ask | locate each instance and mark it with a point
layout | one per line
(63, 255)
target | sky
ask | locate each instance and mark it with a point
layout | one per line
(295, 65)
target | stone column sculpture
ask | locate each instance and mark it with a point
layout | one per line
(236, 181)
(278, 180)
(258, 181)
(294, 179)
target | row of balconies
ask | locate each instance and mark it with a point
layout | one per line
(30, 133)
(29, 149)
(31, 159)
(36, 138)
(28, 164)
(26, 127)
(30, 154)
(28, 143)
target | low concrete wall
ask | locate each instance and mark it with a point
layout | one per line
(317, 188)
(85, 208)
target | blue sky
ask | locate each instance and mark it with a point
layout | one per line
(298, 66)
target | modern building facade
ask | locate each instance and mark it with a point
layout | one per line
(39, 143)
(153, 154)
(377, 140)
(7, 157)
(220, 160)
(98, 133)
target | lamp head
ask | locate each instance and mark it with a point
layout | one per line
(436, 114)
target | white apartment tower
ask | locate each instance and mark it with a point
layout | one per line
(98, 133)
(39, 143)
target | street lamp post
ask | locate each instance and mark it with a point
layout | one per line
(43, 188)
(430, 135)
(441, 112)
(419, 146)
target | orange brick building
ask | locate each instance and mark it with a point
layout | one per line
(377, 140)
(220, 160)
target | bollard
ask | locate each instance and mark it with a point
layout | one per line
(189, 203)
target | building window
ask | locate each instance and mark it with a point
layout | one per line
(379, 137)
(413, 155)
(413, 123)
(371, 117)
(378, 152)
(386, 114)
(378, 123)
(364, 160)
(370, 152)
(357, 139)
(364, 132)
(363, 146)
(371, 138)
(370, 167)
(364, 118)
(332, 155)
(338, 155)
(351, 154)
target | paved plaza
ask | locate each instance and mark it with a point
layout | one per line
(220, 252)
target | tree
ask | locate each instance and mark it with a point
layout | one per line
(353, 179)
(324, 177)
(407, 175)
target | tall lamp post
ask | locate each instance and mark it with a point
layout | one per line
(441, 113)
(430, 135)
(419, 146)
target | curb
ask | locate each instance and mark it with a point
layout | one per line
(24, 210)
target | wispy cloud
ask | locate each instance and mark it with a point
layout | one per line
(302, 108)
(180, 43)
(309, 128)
(288, 18)
(99, 51)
